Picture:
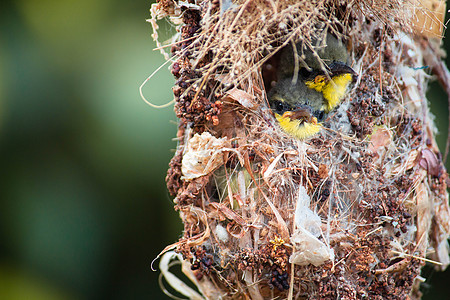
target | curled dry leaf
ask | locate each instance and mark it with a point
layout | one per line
(228, 213)
(244, 98)
(236, 230)
(204, 153)
(430, 162)
(175, 282)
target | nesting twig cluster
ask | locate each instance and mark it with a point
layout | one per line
(353, 212)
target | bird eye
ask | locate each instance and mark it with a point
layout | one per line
(304, 73)
(278, 106)
(320, 115)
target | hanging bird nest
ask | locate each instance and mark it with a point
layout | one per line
(353, 212)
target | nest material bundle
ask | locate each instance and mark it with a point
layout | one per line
(353, 212)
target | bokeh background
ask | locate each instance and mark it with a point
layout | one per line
(83, 203)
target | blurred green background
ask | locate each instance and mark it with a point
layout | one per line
(84, 208)
(83, 203)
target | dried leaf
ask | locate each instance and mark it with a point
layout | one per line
(173, 280)
(228, 213)
(424, 216)
(204, 153)
(430, 162)
(244, 98)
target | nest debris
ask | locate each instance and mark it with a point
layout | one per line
(355, 211)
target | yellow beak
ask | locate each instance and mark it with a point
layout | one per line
(301, 115)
